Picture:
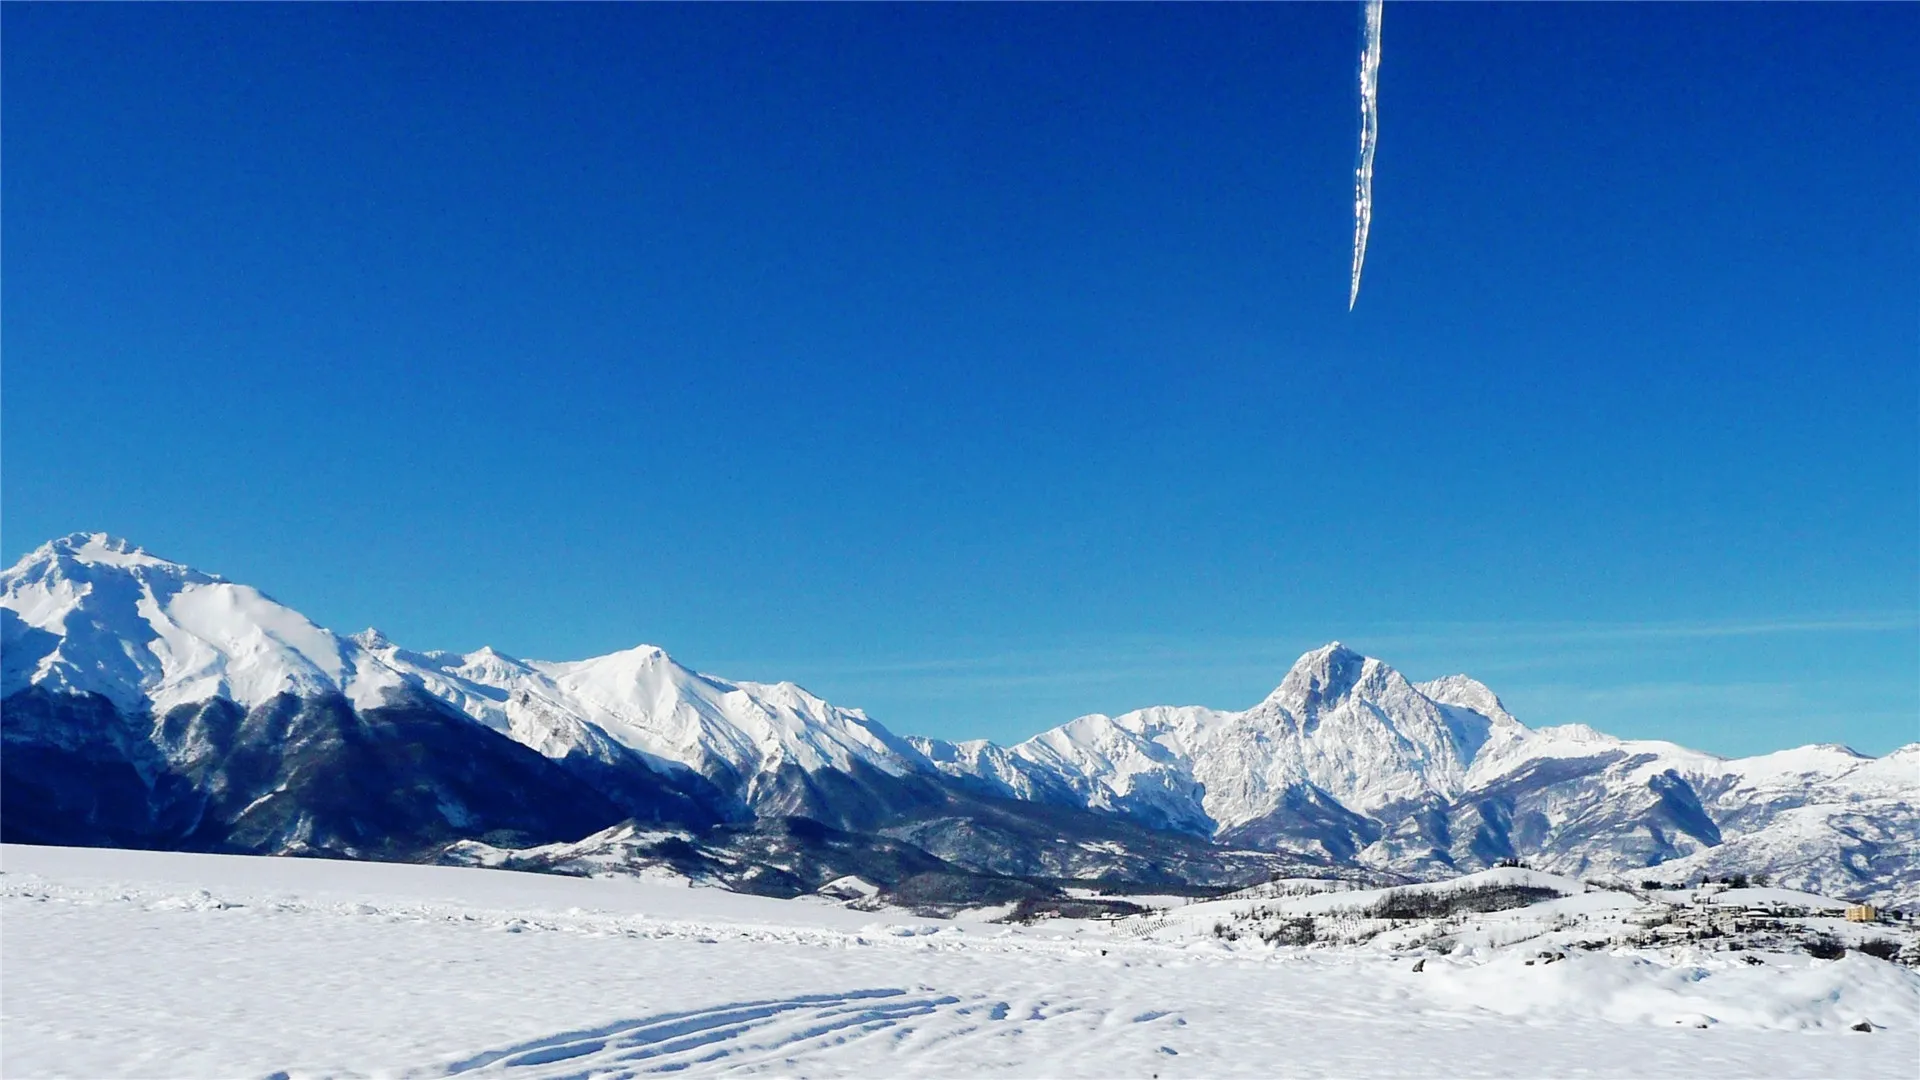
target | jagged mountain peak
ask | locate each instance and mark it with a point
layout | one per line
(646, 666)
(94, 613)
(1324, 677)
(1479, 720)
(1341, 728)
(638, 656)
(1843, 750)
(78, 556)
(94, 547)
(487, 654)
(1329, 671)
(1468, 693)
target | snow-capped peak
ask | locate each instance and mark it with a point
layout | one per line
(650, 702)
(1468, 693)
(1340, 723)
(1321, 677)
(1360, 730)
(93, 613)
(99, 549)
(64, 568)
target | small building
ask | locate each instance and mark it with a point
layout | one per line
(1862, 913)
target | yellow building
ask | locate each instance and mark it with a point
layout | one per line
(1862, 913)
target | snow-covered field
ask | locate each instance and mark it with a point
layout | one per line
(119, 963)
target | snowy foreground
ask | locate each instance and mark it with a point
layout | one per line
(119, 963)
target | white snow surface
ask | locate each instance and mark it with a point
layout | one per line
(140, 964)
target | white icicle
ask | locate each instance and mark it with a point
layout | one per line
(1369, 136)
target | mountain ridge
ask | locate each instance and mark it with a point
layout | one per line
(1346, 759)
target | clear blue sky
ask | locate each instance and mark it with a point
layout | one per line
(983, 366)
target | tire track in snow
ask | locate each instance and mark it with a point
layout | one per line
(745, 1036)
(724, 1036)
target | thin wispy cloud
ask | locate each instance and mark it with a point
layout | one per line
(1729, 628)
(1098, 658)
(1687, 680)
(1742, 716)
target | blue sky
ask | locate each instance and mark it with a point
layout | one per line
(986, 365)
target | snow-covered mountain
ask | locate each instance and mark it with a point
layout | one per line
(92, 614)
(1348, 757)
(97, 614)
(1343, 734)
(130, 681)
(149, 704)
(749, 739)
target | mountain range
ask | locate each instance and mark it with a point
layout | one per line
(144, 703)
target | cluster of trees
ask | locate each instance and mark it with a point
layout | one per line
(1884, 948)
(1438, 903)
(1291, 930)
(1735, 881)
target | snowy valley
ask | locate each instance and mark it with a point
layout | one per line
(159, 963)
